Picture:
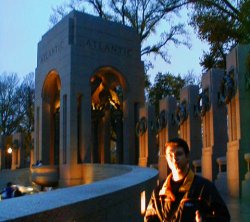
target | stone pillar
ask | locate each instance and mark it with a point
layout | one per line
(129, 152)
(94, 136)
(32, 161)
(118, 127)
(14, 163)
(85, 126)
(142, 133)
(246, 181)
(214, 123)
(75, 129)
(8, 156)
(37, 132)
(44, 148)
(236, 93)
(105, 138)
(190, 123)
(18, 150)
(147, 140)
(221, 180)
(168, 129)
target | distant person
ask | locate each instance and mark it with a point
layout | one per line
(8, 191)
(40, 163)
(184, 196)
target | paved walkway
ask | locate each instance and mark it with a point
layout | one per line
(238, 209)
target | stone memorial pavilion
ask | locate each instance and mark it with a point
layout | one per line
(89, 87)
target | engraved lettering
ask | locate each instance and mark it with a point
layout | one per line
(51, 52)
(106, 47)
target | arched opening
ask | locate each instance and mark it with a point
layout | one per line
(107, 96)
(51, 119)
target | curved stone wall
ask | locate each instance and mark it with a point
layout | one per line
(119, 198)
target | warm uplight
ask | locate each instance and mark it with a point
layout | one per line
(9, 150)
(143, 202)
(57, 104)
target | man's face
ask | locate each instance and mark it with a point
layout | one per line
(176, 158)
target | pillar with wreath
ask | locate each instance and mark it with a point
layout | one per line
(214, 123)
(190, 123)
(167, 129)
(146, 137)
(236, 94)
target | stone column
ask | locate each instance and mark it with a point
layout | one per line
(96, 118)
(18, 150)
(14, 163)
(105, 138)
(32, 161)
(85, 133)
(246, 181)
(236, 93)
(37, 133)
(129, 152)
(147, 148)
(142, 133)
(190, 123)
(168, 129)
(44, 146)
(72, 150)
(118, 127)
(214, 123)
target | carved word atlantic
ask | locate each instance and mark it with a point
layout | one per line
(52, 51)
(94, 45)
(106, 47)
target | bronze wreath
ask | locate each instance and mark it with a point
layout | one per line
(227, 89)
(203, 103)
(154, 125)
(181, 113)
(141, 126)
(173, 122)
(161, 120)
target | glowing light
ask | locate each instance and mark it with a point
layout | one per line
(9, 150)
(143, 202)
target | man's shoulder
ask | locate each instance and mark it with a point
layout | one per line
(202, 179)
(203, 182)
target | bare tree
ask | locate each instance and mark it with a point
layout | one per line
(10, 104)
(150, 18)
(26, 93)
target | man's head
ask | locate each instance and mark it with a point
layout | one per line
(178, 142)
(177, 156)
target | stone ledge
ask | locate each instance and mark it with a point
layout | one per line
(80, 203)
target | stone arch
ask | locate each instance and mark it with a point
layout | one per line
(49, 153)
(108, 91)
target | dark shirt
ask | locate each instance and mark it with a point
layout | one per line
(173, 202)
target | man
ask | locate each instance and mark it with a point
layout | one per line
(184, 196)
(7, 192)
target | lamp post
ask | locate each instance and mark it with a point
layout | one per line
(9, 150)
(9, 158)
